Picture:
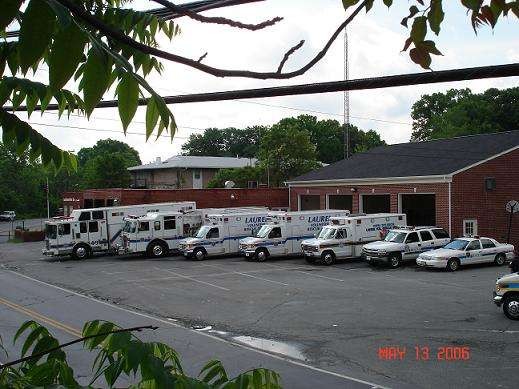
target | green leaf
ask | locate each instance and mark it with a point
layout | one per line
(35, 33)
(128, 99)
(420, 57)
(152, 115)
(348, 3)
(430, 46)
(9, 11)
(435, 16)
(419, 29)
(65, 55)
(96, 77)
(388, 3)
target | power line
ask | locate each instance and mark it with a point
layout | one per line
(463, 74)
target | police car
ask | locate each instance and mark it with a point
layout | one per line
(404, 244)
(466, 251)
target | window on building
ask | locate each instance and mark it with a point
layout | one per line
(474, 245)
(93, 227)
(64, 229)
(490, 183)
(156, 225)
(412, 238)
(425, 235)
(144, 226)
(440, 233)
(470, 227)
(83, 227)
(252, 184)
(487, 244)
(84, 216)
(170, 223)
(97, 215)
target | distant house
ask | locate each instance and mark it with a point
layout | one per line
(182, 171)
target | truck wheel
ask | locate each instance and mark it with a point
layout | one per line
(453, 264)
(157, 249)
(328, 258)
(199, 254)
(394, 260)
(511, 307)
(309, 259)
(500, 259)
(81, 251)
(261, 255)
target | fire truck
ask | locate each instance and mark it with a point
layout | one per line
(97, 230)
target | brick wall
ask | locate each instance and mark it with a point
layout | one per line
(204, 198)
(441, 190)
(470, 200)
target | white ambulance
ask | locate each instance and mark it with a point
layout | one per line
(344, 237)
(158, 233)
(220, 234)
(87, 231)
(284, 231)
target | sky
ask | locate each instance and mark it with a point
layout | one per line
(375, 43)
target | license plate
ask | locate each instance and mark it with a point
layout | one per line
(247, 254)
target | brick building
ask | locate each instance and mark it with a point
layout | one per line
(461, 184)
(183, 171)
(205, 198)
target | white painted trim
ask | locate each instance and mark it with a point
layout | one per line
(450, 209)
(475, 227)
(289, 208)
(485, 160)
(375, 181)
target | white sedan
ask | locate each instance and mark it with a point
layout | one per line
(466, 251)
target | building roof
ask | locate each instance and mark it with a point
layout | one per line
(415, 159)
(188, 161)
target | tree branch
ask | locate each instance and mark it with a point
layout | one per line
(288, 54)
(118, 35)
(216, 19)
(39, 355)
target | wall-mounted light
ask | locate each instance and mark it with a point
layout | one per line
(373, 190)
(353, 190)
(338, 191)
(233, 197)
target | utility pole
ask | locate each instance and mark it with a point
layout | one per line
(346, 115)
(48, 204)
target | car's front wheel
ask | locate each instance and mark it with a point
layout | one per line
(395, 260)
(511, 307)
(500, 259)
(453, 264)
(328, 258)
(261, 255)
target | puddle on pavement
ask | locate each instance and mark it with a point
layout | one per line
(272, 346)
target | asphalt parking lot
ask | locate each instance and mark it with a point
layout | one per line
(335, 318)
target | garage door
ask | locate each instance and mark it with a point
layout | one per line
(419, 208)
(309, 202)
(376, 203)
(340, 202)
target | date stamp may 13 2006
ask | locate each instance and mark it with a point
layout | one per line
(424, 353)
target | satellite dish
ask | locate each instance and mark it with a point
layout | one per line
(229, 184)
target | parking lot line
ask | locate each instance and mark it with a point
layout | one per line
(249, 275)
(193, 279)
(307, 273)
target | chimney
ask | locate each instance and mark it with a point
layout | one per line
(158, 160)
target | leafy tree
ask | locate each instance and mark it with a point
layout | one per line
(105, 164)
(119, 354)
(286, 151)
(226, 142)
(328, 137)
(429, 14)
(460, 112)
(240, 176)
